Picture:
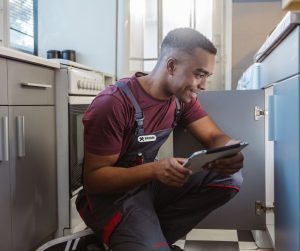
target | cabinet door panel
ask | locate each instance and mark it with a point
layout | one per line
(33, 176)
(233, 111)
(29, 84)
(5, 199)
(286, 166)
(3, 82)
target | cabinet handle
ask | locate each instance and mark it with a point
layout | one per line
(4, 133)
(5, 137)
(271, 120)
(21, 135)
(43, 86)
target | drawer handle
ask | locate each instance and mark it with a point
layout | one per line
(21, 135)
(4, 133)
(36, 85)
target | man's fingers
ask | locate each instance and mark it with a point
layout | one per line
(181, 160)
(237, 158)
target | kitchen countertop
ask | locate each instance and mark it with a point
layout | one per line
(25, 57)
(67, 63)
(286, 25)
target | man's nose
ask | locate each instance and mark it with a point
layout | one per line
(202, 84)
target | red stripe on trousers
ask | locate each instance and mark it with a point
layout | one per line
(160, 245)
(223, 186)
(110, 226)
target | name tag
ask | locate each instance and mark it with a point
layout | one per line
(146, 138)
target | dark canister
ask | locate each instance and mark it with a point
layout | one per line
(53, 54)
(69, 55)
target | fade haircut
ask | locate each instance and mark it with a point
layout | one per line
(186, 39)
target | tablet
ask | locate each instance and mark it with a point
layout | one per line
(198, 159)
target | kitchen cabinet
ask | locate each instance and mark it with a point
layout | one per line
(279, 58)
(287, 163)
(33, 176)
(5, 198)
(234, 113)
(29, 168)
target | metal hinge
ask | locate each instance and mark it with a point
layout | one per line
(260, 208)
(259, 113)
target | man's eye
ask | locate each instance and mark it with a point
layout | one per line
(200, 75)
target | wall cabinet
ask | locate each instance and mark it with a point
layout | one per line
(28, 209)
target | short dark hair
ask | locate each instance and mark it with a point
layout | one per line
(186, 39)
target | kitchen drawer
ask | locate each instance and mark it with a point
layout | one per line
(283, 61)
(29, 84)
(3, 82)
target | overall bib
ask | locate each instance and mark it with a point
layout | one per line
(154, 215)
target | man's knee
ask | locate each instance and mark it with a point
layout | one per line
(237, 179)
(227, 186)
(233, 181)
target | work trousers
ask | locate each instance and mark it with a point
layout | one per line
(155, 215)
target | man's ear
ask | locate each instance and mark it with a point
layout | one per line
(171, 65)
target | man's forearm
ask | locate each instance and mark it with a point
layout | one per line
(107, 180)
(219, 140)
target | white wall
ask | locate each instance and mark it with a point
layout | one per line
(88, 27)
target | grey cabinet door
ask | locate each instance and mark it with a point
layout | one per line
(287, 164)
(233, 111)
(33, 175)
(3, 82)
(29, 84)
(5, 198)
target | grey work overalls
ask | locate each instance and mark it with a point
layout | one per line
(154, 215)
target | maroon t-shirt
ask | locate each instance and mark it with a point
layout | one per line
(109, 122)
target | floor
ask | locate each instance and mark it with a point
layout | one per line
(219, 240)
(196, 240)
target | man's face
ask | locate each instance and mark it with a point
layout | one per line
(190, 73)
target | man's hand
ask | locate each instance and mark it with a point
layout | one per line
(227, 165)
(170, 171)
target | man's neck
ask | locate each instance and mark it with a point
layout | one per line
(154, 84)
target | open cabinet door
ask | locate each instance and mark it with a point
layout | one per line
(233, 111)
(286, 165)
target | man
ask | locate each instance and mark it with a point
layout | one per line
(130, 200)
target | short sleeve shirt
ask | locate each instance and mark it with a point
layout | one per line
(109, 121)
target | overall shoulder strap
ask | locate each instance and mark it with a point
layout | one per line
(177, 113)
(139, 115)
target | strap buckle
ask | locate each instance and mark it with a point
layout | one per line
(139, 118)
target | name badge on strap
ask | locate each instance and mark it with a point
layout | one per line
(146, 138)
